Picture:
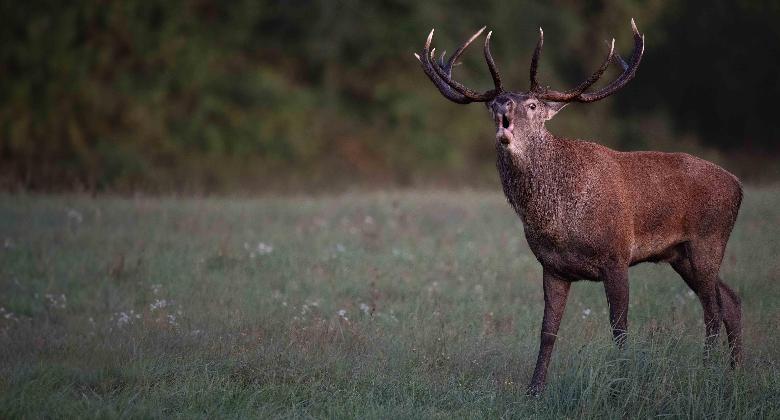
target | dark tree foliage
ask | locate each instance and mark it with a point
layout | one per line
(211, 95)
(715, 69)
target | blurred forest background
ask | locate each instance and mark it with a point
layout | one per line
(260, 95)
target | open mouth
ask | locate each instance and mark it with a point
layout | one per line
(504, 134)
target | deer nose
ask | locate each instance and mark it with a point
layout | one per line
(501, 108)
(505, 121)
(502, 118)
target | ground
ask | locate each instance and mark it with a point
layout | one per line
(395, 305)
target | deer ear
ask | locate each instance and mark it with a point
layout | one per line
(554, 107)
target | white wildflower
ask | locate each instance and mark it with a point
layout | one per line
(586, 312)
(75, 216)
(156, 288)
(172, 320)
(8, 315)
(159, 304)
(264, 248)
(365, 308)
(343, 314)
(125, 318)
(56, 301)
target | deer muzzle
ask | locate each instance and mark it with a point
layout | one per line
(504, 132)
(504, 136)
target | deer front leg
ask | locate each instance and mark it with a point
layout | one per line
(616, 288)
(556, 290)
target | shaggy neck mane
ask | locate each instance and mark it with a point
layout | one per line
(531, 178)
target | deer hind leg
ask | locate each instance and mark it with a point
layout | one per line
(698, 265)
(731, 312)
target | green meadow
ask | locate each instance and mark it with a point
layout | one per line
(407, 304)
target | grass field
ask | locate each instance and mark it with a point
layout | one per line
(408, 304)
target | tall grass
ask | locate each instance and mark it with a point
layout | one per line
(414, 304)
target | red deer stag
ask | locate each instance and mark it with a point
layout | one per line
(590, 212)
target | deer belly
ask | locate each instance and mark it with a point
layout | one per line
(571, 261)
(655, 249)
(657, 237)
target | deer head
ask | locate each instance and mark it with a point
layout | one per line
(521, 113)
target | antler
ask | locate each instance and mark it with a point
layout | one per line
(441, 73)
(578, 93)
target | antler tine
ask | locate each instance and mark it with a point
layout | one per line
(425, 61)
(572, 94)
(597, 74)
(444, 72)
(535, 62)
(618, 60)
(447, 67)
(492, 65)
(629, 70)
(577, 94)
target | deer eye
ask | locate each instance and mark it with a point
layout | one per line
(532, 106)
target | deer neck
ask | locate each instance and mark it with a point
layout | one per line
(528, 172)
